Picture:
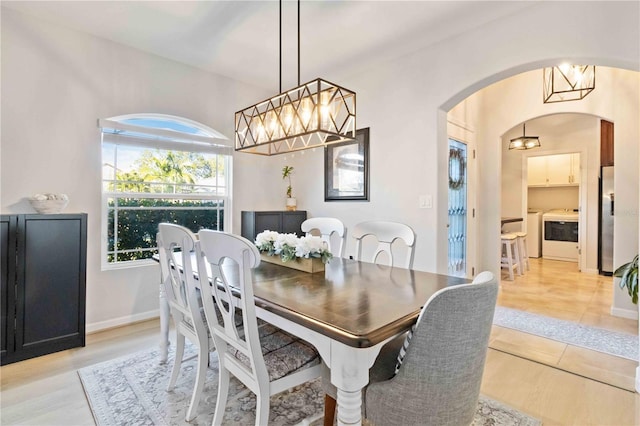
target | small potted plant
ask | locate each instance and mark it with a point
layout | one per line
(287, 171)
(628, 274)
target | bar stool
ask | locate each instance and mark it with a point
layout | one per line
(522, 248)
(510, 255)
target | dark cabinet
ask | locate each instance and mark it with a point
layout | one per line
(254, 222)
(43, 284)
(606, 143)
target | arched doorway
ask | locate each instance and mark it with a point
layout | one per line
(506, 105)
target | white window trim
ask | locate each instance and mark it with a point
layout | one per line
(213, 143)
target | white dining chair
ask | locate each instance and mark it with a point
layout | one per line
(327, 226)
(283, 362)
(184, 302)
(386, 233)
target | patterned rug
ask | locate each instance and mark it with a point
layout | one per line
(614, 343)
(132, 391)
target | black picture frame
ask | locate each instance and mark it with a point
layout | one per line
(346, 169)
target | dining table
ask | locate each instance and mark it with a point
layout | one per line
(348, 312)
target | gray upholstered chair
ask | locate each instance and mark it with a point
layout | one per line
(438, 380)
(484, 277)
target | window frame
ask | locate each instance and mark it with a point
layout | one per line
(207, 141)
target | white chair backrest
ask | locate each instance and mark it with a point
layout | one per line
(326, 226)
(386, 233)
(175, 245)
(227, 260)
(484, 277)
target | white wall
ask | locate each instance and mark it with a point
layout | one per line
(55, 84)
(562, 197)
(403, 101)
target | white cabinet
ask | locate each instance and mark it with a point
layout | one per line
(537, 171)
(554, 170)
(575, 168)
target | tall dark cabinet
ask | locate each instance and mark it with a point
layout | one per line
(287, 222)
(43, 284)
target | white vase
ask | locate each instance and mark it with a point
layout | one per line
(291, 204)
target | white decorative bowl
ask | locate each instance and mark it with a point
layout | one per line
(48, 206)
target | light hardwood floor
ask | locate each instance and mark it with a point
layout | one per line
(47, 390)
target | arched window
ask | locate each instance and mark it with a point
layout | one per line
(159, 168)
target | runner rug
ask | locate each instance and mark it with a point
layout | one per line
(131, 390)
(611, 342)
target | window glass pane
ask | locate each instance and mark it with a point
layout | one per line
(457, 208)
(110, 229)
(160, 171)
(165, 124)
(125, 257)
(138, 219)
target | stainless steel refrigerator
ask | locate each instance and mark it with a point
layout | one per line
(605, 246)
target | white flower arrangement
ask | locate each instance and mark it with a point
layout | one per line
(289, 246)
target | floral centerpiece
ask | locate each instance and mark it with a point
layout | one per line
(288, 248)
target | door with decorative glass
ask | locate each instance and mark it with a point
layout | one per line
(457, 208)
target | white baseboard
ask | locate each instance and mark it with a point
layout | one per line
(625, 313)
(591, 271)
(118, 322)
(638, 379)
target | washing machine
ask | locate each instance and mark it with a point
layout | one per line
(560, 235)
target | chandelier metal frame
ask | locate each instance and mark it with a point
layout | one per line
(316, 113)
(567, 82)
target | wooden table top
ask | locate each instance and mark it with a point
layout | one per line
(504, 220)
(357, 303)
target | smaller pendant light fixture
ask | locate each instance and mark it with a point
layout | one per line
(524, 141)
(567, 82)
(312, 114)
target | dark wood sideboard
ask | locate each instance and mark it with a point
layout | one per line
(254, 222)
(43, 284)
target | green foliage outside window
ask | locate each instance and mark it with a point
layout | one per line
(137, 228)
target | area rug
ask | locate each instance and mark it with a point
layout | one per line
(610, 342)
(131, 390)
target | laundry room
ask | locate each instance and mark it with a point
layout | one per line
(554, 188)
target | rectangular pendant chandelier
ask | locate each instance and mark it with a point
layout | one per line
(568, 82)
(524, 141)
(313, 114)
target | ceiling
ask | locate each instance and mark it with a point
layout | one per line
(239, 39)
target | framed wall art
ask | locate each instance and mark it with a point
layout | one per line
(346, 169)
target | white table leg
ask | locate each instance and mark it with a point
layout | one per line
(350, 374)
(164, 325)
(349, 407)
